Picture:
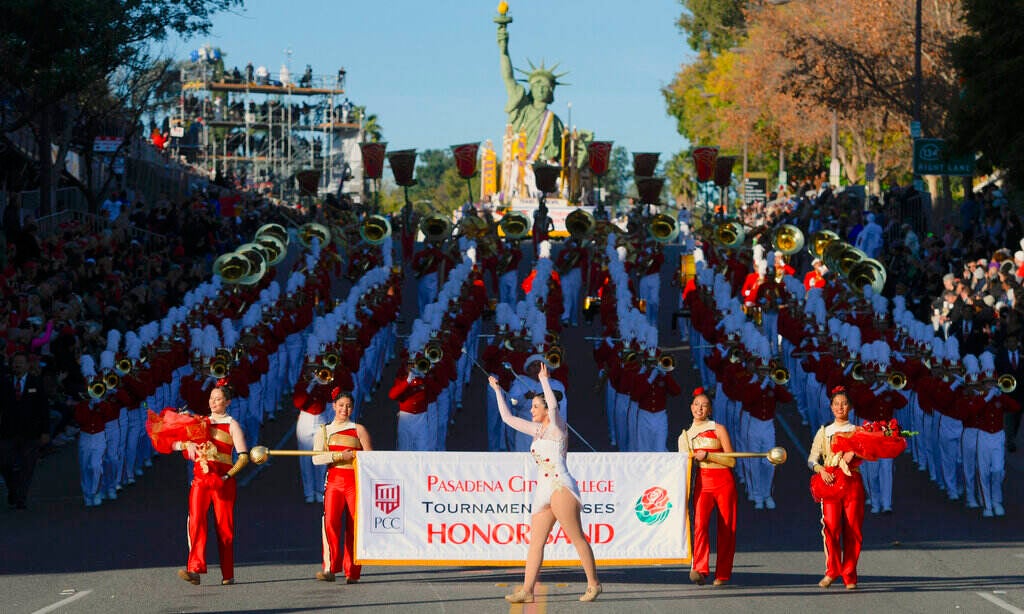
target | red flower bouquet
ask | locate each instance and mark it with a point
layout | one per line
(874, 440)
(821, 491)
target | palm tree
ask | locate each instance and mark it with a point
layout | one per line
(373, 130)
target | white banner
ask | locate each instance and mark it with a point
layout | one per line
(474, 508)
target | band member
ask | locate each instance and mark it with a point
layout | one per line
(570, 262)
(341, 439)
(214, 484)
(649, 264)
(715, 487)
(842, 517)
(557, 496)
(507, 269)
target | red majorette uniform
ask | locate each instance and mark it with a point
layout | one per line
(339, 497)
(209, 486)
(842, 517)
(715, 486)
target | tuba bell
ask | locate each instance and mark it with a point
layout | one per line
(867, 272)
(729, 234)
(663, 228)
(819, 241)
(435, 228)
(276, 231)
(374, 229)
(314, 230)
(274, 249)
(1007, 383)
(231, 267)
(257, 257)
(788, 239)
(515, 225)
(580, 224)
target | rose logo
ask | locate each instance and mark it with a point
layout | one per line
(653, 506)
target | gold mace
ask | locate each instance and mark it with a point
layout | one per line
(260, 454)
(775, 456)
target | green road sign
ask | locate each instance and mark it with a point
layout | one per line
(931, 158)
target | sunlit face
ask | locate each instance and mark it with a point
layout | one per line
(841, 407)
(219, 401)
(342, 409)
(700, 407)
(538, 409)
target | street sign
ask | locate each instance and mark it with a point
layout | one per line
(755, 188)
(932, 158)
(106, 144)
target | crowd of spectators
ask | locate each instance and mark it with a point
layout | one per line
(61, 293)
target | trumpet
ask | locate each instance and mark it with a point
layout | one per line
(323, 375)
(218, 369)
(433, 352)
(554, 357)
(896, 380)
(779, 376)
(1007, 383)
(111, 380)
(421, 364)
(97, 389)
(666, 362)
(123, 366)
(331, 360)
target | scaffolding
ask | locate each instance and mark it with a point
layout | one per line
(268, 132)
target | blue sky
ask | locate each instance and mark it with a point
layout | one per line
(429, 70)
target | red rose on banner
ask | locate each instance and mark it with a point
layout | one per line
(373, 159)
(465, 159)
(704, 160)
(599, 154)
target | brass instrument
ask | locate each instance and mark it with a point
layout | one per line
(276, 231)
(515, 225)
(1007, 383)
(97, 389)
(311, 230)
(257, 257)
(666, 362)
(729, 234)
(857, 371)
(867, 272)
(787, 239)
(580, 224)
(554, 357)
(896, 380)
(472, 227)
(779, 376)
(435, 228)
(223, 355)
(374, 229)
(123, 367)
(663, 228)
(819, 241)
(111, 380)
(218, 369)
(274, 249)
(330, 360)
(422, 364)
(433, 352)
(231, 267)
(323, 375)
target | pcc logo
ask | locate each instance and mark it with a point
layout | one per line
(653, 506)
(388, 516)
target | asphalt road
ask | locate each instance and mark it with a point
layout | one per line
(931, 555)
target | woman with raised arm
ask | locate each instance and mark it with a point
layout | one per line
(556, 497)
(715, 487)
